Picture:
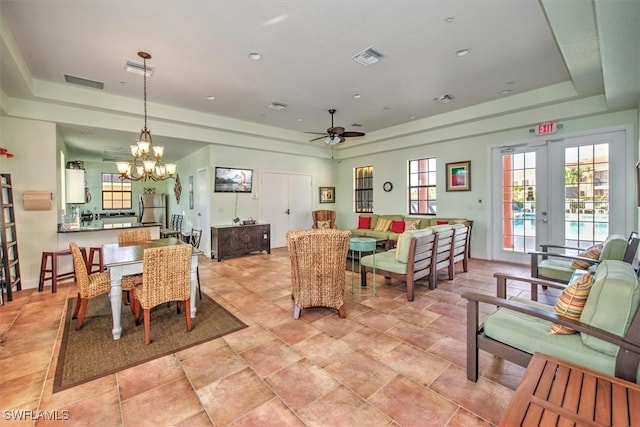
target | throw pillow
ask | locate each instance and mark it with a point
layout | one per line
(593, 252)
(364, 222)
(571, 302)
(323, 224)
(411, 224)
(383, 224)
(442, 222)
(397, 226)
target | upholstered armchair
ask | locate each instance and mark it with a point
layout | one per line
(89, 285)
(321, 217)
(318, 271)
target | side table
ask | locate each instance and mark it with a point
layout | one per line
(362, 244)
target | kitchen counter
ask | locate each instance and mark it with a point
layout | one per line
(100, 225)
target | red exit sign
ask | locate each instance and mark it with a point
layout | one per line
(546, 128)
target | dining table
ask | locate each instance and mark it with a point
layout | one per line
(124, 260)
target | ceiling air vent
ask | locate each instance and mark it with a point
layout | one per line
(138, 68)
(367, 57)
(83, 82)
(278, 106)
(444, 98)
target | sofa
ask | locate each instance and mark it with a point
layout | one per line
(607, 337)
(367, 224)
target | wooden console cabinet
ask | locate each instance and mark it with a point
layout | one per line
(236, 240)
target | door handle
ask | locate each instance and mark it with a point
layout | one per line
(287, 212)
(544, 217)
(199, 214)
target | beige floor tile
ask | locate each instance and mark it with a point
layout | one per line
(149, 375)
(271, 414)
(209, 367)
(270, 357)
(360, 373)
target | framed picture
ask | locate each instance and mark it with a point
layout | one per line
(327, 194)
(459, 176)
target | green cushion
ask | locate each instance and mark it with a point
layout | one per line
(385, 261)
(357, 232)
(612, 303)
(614, 247)
(439, 228)
(404, 243)
(555, 269)
(377, 234)
(531, 335)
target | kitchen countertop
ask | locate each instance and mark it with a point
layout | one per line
(98, 225)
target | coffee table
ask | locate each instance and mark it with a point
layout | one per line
(362, 244)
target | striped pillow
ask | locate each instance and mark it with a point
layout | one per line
(593, 252)
(383, 225)
(571, 302)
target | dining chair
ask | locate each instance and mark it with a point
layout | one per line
(194, 239)
(318, 268)
(129, 238)
(89, 285)
(166, 277)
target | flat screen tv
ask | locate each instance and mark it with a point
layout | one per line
(233, 180)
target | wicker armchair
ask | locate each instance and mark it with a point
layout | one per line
(89, 285)
(166, 277)
(128, 238)
(318, 260)
(324, 215)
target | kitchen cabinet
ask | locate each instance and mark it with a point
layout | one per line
(75, 187)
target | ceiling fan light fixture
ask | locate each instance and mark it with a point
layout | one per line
(332, 139)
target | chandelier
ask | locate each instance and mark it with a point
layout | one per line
(147, 158)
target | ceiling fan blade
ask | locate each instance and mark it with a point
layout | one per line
(338, 130)
(316, 133)
(351, 134)
(341, 139)
(319, 138)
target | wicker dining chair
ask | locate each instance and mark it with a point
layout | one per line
(89, 285)
(166, 277)
(129, 238)
(318, 268)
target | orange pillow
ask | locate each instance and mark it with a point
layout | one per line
(571, 301)
(364, 222)
(397, 226)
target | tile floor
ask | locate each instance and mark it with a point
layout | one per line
(389, 363)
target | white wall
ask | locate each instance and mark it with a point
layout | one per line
(392, 166)
(33, 167)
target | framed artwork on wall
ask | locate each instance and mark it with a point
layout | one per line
(327, 194)
(459, 176)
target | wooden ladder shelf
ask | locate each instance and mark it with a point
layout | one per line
(10, 265)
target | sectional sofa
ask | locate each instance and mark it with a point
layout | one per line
(369, 225)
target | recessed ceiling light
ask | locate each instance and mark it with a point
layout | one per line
(412, 118)
(463, 52)
(278, 106)
(357, 95)
(449, 19)
(299, 119)
(254, 56)
(386, 107)
(506, 92)
(210, 97)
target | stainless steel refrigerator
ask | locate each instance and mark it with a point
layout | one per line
(153, 208)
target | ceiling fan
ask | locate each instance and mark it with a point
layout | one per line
(334, 134)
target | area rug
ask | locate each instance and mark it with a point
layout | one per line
(92, 352)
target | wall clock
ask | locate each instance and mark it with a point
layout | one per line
(387, 186)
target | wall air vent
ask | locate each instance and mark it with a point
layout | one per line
(367, 57)
(83, 82)
(278, 106)
(138, 68)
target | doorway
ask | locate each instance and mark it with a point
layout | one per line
(568, 192)
(285, 203)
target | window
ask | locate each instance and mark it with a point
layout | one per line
(364, 189)
(422, 186)
(116, 192)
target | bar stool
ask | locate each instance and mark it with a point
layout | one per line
(93, 263)
(52, 256)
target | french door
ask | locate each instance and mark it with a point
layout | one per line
(569, 192)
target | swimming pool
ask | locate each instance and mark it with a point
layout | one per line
(597, 231)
